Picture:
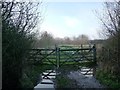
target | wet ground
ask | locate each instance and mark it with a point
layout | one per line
(82, 78)
(46, 80)
(84, 81)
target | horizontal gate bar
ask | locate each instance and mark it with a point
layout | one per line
(75, 49)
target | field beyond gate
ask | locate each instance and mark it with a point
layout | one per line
(63, 55)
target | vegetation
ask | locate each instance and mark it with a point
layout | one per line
(108, 79)
(46, 40)
(62, 79)
(31, 77)
(109, 55)
(65, 82)
(18, 23)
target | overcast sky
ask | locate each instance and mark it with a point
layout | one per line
(72, 19)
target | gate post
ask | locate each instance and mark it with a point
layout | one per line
(57, 56)
(94, 56)
(94, 53)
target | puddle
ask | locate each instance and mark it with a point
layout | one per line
(85, 78)
(49, 74)
(51, 77)
(44, 87)
(46, 82)
(88, 72)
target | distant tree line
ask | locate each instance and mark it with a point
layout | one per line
(46, 40)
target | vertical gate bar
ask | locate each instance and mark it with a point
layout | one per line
(90, 54)
(94, 53)
(56, 54)
(58, 57)
(81, 50)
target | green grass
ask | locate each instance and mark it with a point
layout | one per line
(87, 64)
(66, 46)
(111, 81)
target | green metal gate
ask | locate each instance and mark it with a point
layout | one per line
(60, 56)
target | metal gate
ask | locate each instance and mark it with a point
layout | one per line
(60, 56)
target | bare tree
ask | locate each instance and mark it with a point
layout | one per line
(111, 28)
(24, 15)
(67, 40)
(45, 40)
(19, 19)
(83, 39)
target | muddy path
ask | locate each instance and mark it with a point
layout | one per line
(80, 79)
(84, 81)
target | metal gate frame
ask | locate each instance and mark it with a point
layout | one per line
(39, 55)
(89, 50)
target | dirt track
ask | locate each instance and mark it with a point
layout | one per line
(83, 81)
